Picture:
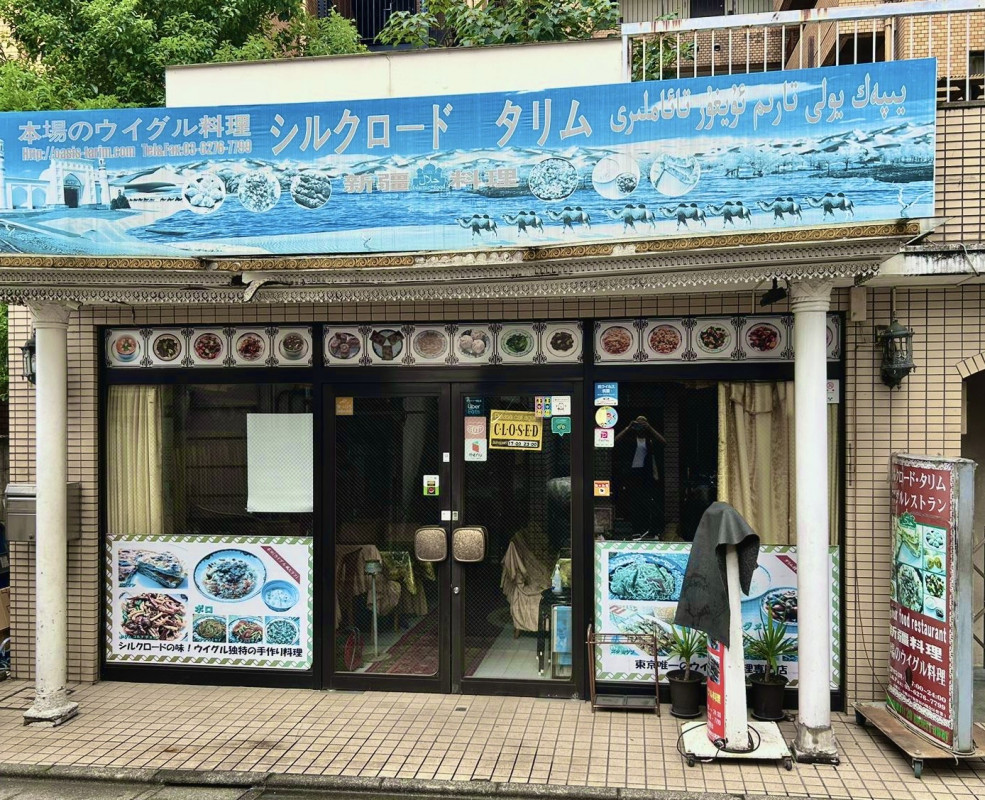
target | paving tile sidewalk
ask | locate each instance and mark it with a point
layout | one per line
(436, 737)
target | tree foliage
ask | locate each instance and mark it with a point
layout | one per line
(104, 53)
(449, 23)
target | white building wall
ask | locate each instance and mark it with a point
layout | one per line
(404, 73)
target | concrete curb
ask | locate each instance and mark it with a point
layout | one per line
(350, 786)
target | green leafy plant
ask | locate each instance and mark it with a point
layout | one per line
(104, 53)
(655, 57)
(688, 643)
(771, 645)
(455, 23)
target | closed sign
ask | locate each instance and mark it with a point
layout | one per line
(515, 430)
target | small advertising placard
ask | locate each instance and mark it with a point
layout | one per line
(515, 430)
(233, 601)
(606, 394)
(930, 659)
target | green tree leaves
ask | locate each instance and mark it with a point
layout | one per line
(103, 53)
(449, 23)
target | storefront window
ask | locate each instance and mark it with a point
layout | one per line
(679, 446)
(209, 504)
(208, 460)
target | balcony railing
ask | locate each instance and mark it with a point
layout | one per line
(369, 15)
(648, 10)
(952, 31)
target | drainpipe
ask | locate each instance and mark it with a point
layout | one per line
(51, 704)
(814, 741)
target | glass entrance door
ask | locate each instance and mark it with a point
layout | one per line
(486, 473)
(513, 602)
(392, 615)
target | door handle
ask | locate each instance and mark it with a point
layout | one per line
(468, 545)
(430, 544)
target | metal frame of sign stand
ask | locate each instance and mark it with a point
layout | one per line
(917, 748)
(761, 741)
(765, 743)
(623, 702)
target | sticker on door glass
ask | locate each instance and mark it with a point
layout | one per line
(561, 405)
(606, 394)
(602, 488)
(515, 430)
(476, 450)
(431, 485)
(542, 407)
(561, 425)
(605, 437)
(343, 407)
(606, 417)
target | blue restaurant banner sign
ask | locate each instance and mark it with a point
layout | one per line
(709, 155)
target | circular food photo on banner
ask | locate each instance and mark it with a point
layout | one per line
(387, 343)
(311, 189)
(517, 342)
(553, 179)
(250, 347)
(204, 193)
(344, 345)
(293, 347)
(207, 346)
(167, 347)
(616, 176)
(674, 175)
(230, 575)
(126, 347)
(430, 343)
(258, 191)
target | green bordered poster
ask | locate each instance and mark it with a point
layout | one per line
(209, 601)
(638, 585)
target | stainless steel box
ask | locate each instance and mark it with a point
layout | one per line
(21, 501)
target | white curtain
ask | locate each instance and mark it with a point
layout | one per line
(756, 468)
(134, 472)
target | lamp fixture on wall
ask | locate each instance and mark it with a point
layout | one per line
(773, 295)
(29, 352)
(897, 355)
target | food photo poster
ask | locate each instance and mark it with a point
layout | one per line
(207, 600)
(638, 586)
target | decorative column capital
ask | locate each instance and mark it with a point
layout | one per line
(52, 315)
(810, 295)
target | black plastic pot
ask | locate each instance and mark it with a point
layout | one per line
(766, 697)
(686, 696)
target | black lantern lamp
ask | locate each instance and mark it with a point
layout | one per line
(897, 356)
(29, 353)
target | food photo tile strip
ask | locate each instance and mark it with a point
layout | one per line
(214, 346)
(453, 344)
(761, 337)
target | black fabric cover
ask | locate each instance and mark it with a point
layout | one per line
(704, 593)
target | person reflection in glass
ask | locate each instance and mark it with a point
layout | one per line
(637, 460)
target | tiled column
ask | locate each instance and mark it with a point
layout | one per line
(815, 741)
(51, 704)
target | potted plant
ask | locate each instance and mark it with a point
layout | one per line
(771, 645)
(686, 687)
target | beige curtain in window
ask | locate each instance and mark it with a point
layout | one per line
(756, 468)
(134, 473)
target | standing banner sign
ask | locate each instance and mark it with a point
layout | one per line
(716, 690)
(930, 657)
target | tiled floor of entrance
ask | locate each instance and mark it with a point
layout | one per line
(437, 737)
